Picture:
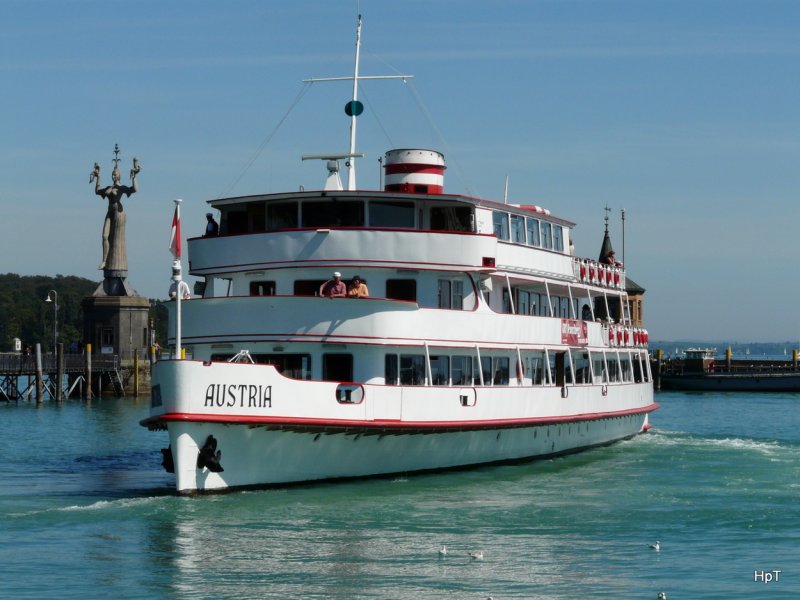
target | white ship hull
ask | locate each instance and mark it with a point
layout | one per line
(272, 430)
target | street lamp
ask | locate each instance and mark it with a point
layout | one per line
(55, 317)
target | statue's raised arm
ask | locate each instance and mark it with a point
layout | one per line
(134, 172)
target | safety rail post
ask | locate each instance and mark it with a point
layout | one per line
(59, 369)
(136, 373)
(38, 373)
(87, 371)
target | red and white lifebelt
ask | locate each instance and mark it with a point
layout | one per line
(583, 272)
(610, 335)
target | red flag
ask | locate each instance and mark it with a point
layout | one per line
(175, 237)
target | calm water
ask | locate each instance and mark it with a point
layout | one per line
(86, 511)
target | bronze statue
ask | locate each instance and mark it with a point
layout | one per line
(114, 253)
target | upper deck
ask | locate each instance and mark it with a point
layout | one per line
(384, 229)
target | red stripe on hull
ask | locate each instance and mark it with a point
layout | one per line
(393, 424)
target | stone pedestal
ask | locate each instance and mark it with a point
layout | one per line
(117, 325)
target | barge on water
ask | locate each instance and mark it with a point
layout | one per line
(700, 371)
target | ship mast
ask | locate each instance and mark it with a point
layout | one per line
(352, 109)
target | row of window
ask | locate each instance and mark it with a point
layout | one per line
(539, 367)
(258, 217)
(528, 230)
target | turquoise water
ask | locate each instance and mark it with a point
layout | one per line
(87, 511)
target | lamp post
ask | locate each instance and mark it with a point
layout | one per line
(55, 317)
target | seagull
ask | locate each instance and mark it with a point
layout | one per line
(656, 547)
(443, 551)
(475, 555)
(662, 596)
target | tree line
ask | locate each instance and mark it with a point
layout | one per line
(25, 314)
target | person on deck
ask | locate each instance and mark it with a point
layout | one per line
(333, 288)
(212, 227)
(357, 288)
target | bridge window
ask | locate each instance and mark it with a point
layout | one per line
(558, 238)
(533, 231)
(518, 229)
(451, 218)
(281, 215)
(333, 213)
(547, 235)
(391, 214)
(500, 220)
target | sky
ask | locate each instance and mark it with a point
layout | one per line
(682, 112)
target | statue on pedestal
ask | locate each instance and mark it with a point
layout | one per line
(115, 258)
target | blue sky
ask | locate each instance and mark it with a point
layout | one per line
(685, 113)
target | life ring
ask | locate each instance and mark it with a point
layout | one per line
(583, 272)
(610, 335)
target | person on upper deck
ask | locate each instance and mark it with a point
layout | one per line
(357, 288)
(611, 259)
(333, 288)
(212, 228)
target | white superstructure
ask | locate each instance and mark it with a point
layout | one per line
(482, 338)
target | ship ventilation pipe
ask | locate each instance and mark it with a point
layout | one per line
(209, 456)
(414, 171)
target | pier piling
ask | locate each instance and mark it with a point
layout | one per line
(59, 370)
(87, 376)
(39, 376)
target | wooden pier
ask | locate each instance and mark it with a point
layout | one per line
(57, 375)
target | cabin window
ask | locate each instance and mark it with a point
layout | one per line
(332, 213)
(451, 294)
(440, 370)
(523, 301)
(626, 367)
(461, 370)
(294, 366)
(262, 288)
(500, 370)
(451, 218)
(518, 229)
(547, 235)
(599, 373)
(583, 372)
(401, 289)
(614, 371)
(558, 238)
(337, 367)
(536, 369)
(235, 222)
(506, 301)
(281, 215)
(485, 369)
(308, 287)
(390, 369)
(500, 220)
(391, 214)
(532, 225)
(412, 369)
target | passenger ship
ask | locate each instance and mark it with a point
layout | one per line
(484, 339)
